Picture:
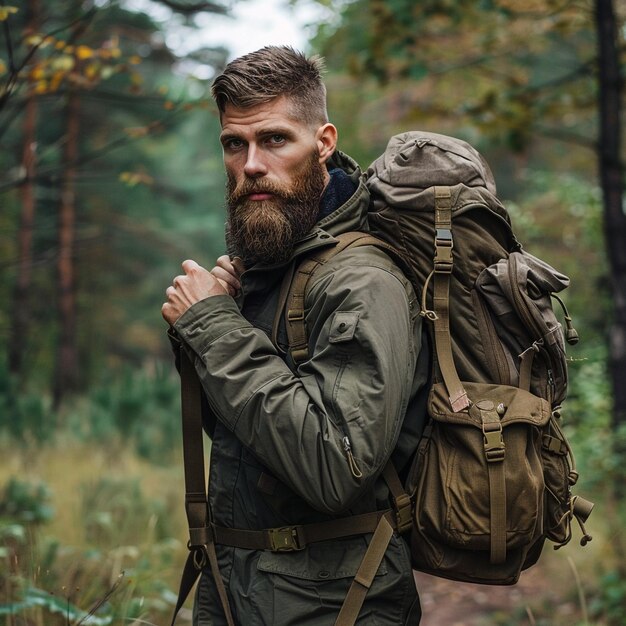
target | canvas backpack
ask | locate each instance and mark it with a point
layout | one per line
(492, 477)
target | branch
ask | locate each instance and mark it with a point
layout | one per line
(196, 7)
(48, 175)
(15, 71)
(567, 137)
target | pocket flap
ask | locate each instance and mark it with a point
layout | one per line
(517, 405)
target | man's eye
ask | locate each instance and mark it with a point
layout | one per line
(233, 144)
(277, 139)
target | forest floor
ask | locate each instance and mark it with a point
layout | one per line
(449, 603)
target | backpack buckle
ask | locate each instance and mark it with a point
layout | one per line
(404, 517)
(494, 444)
(443, 250)
(285, 539)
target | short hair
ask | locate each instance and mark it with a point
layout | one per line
(270, 73)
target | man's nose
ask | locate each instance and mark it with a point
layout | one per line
(255, 163)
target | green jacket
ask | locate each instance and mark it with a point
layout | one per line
(279, 432)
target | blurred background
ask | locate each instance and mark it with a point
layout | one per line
(111, 175)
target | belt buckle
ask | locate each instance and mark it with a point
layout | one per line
(284, 539)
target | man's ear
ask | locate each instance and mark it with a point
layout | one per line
(326, 138)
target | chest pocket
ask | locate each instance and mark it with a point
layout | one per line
(343, 326)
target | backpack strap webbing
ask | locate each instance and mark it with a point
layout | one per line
(366, 573)
(443, 264)
(201, 541)
(295, 284)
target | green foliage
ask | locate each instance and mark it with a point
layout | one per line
(141, 407)
(25, 503)
(56, 585)
(116, 513)
(609, 601)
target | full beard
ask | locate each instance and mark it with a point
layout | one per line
(266, 231)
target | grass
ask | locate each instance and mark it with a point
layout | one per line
(112, 512)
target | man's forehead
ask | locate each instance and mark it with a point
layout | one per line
(277, 110)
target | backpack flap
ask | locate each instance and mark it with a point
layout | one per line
(479, 500)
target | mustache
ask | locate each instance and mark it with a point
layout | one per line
(250, 186)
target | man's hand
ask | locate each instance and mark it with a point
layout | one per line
(197, 284)
(227, 272)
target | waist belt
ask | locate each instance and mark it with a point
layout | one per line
(293, 538)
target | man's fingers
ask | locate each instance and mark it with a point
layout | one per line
(225, 276)
(190, 266)
(227, 264)
(231, 290)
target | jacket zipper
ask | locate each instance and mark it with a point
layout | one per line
(355, 470)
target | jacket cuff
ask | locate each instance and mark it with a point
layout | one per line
(208, 320)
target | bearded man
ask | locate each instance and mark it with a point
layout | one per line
(299, 446)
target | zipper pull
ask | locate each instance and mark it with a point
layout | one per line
(354, 468)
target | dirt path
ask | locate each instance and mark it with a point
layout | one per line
(448, 603)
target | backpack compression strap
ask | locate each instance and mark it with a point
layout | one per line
(443, 264)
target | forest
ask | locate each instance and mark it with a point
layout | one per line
(111, 175)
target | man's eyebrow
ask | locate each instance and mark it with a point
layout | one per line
(226, 136)
(277, 130)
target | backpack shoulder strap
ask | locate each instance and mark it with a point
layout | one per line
(295, 284)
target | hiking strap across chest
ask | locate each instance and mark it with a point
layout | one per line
(204, 534)
(295, 284)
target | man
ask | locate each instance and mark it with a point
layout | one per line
(297, 445)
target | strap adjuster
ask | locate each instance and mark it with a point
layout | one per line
(404, 517)
(443, 251)
(295, 315)
(285, 539)
(494, 444)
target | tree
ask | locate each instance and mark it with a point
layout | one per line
(611, 174)
(107, 127)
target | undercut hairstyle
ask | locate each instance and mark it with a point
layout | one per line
(270, 73)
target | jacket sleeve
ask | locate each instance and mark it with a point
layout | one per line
(351, 394)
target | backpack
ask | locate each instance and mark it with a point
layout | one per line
(492, 476)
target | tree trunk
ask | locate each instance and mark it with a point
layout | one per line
(21, 297)
(614, 218)
(66, 374)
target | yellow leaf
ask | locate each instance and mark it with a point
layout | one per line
(116, 53)
(84, 52)
(59, 45)
(5, 12)
(135, 59)
(38, 72)
(136, 178)
(136, 132)
(63, 63)
(55, 81)
(33, 40)
(3, 67)
(92, 70)
(41, 86)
